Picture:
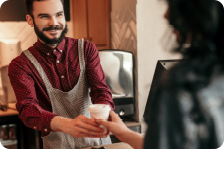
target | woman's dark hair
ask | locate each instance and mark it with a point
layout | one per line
(219, 36)
(195, 18)
(203, 21)
(29, 6)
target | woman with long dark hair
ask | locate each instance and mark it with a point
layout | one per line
(187, 110)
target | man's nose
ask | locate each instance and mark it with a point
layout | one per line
(53, 21)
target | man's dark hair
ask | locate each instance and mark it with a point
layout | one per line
(29, 6)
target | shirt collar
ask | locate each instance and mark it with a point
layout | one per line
(61, 46)
(48, 50)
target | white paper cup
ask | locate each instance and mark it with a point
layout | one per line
(101, 111)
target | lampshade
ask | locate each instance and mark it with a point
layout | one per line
(9, 49)
(15, 10)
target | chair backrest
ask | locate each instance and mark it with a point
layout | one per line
(118, 67)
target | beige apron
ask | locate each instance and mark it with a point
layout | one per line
(70, 105)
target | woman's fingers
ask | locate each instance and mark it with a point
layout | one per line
(112, 113)
(89, 132)
(104, 123)
(114, 116)
(95, 117)
(90, 124)
(89, 121)
(88, 127)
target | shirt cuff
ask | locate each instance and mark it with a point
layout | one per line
(46, 121)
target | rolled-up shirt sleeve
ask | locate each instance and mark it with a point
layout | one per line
(30, 112)
(100, 92)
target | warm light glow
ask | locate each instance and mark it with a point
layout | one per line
(1, 2)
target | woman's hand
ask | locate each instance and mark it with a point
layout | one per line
(115, 125)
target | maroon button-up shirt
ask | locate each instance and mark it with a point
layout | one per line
(62, 68)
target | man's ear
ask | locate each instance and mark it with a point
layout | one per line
(29, 20)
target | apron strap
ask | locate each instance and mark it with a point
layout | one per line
(81, 54)
(39, 68)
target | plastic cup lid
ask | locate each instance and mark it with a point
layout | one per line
(98, 108)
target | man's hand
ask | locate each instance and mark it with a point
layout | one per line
(78, 127)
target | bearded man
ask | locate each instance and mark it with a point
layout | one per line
(56, 79)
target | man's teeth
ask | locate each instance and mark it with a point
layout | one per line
(53, 30)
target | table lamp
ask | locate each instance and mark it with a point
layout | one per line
(9, 49)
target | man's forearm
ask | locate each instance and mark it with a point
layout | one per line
(58, 124)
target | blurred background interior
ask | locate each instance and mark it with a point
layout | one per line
(126, 43)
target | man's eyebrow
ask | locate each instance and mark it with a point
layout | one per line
(42, 14)
(45, 14)
(61, 12)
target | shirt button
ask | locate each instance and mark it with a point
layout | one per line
(58, 61)
(62, 77)
(45, 130)
(47, 53)
(60, 50)
(35, 127)
(55, 50)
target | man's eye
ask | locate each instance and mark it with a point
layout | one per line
(60, 14)
(44, 17)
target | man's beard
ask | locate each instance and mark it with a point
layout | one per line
(47, 40)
